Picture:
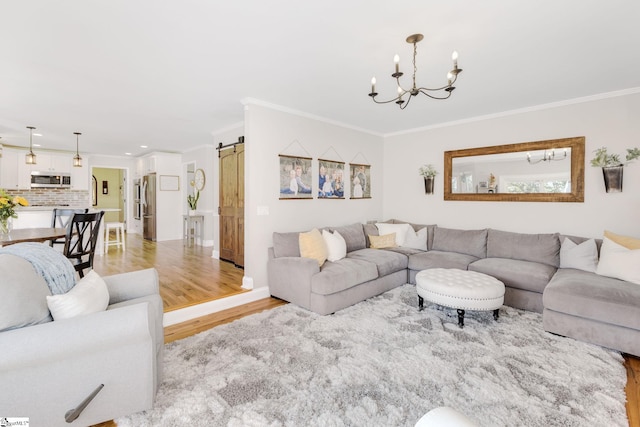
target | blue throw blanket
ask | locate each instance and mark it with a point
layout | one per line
(56, 269)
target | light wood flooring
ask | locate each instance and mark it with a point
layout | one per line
(205, 278)
(188, 275)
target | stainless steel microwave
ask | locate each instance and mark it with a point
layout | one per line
(50, 180)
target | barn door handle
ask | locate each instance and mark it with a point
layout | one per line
(72, 414)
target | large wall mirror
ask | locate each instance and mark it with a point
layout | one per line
(540, 171)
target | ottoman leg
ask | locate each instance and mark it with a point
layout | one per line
(461, 318)
(420, 303)
(496, 313)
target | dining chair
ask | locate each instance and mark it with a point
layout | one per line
(82, 239)
(60, 219)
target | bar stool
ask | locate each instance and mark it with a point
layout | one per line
(119, 239)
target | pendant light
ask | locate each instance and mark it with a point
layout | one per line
(30, 158)
(77, 160)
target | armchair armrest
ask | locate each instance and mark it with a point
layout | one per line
(135, 284)
(114, 348)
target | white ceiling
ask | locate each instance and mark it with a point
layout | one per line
(170, 73)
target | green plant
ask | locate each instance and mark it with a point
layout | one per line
(602, 159)
(427, 171)
(192, 200)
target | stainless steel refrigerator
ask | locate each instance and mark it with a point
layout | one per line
(148, 201)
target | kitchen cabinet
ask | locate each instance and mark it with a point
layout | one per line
(9, 169)
(54, 162)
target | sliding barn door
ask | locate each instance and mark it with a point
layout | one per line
(232, 204)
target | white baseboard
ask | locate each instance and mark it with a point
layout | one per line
(247, 282)
(215, 254)
(195, 311)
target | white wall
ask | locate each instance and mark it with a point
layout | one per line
(270, 132)
(612, 122)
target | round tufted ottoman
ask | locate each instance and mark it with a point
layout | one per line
(460, 289)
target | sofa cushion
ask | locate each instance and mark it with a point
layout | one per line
(23, 294)
(312, 246)
(542, 248)
(619, 262)
(626, 241)
(583, 256)
(416, 239)
(587, 295)
(336, 246)
(382, 242)
(387, 261)
(353, 235)
(286, 244)
(514, 273)
(435, 259)
(400, 231)
(469, 242)
(344, 274)
(89, 295)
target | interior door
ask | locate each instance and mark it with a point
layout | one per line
(231, 209)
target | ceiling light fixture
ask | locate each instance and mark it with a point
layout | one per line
(77, 160)
(30, 158)
(547, 157)
(443, 92)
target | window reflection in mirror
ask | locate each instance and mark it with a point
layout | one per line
(540, 171)
(546, 171)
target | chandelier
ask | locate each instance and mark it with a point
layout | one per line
(547, 157)
(442, 92)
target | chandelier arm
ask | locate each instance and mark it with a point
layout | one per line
(405, 104)
(434, 97)
(385, 102)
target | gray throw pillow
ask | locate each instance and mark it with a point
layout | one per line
(468, 242)
(542, 248)
(286, 245)
(23, 294)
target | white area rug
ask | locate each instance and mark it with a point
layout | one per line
(384, 363)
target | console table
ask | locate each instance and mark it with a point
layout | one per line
(192, 228)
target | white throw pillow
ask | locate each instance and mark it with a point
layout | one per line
(619, 262)
(582, 257)
(89, 295)
(336, 245)
(416, 239)
(399, 229)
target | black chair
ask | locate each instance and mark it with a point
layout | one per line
(60, 219)
(82, 239)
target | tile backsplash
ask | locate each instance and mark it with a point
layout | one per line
(54, 197)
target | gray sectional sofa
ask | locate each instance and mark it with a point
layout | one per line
(574, 303)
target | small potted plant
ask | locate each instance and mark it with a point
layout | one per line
(428, 172)
(192, 200)
(612, 166)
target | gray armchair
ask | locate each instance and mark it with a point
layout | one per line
(48, 369)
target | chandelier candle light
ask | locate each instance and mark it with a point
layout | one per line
(442, 92)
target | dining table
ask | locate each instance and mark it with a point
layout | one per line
(40, 234)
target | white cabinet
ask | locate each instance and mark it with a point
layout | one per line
(9, 169)
(80, 177)
(54, 162)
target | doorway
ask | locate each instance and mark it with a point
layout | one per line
(109, 193)
(231, 211)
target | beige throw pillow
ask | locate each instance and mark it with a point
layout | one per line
(626, 241)
(312, 246)
(385, 241)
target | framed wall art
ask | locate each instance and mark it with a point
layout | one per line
(295, 177)
(331, 180)
(360, 178)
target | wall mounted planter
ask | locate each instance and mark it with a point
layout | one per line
(429, 182)
(613, 178)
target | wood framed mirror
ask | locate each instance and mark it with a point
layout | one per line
(540, 171)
